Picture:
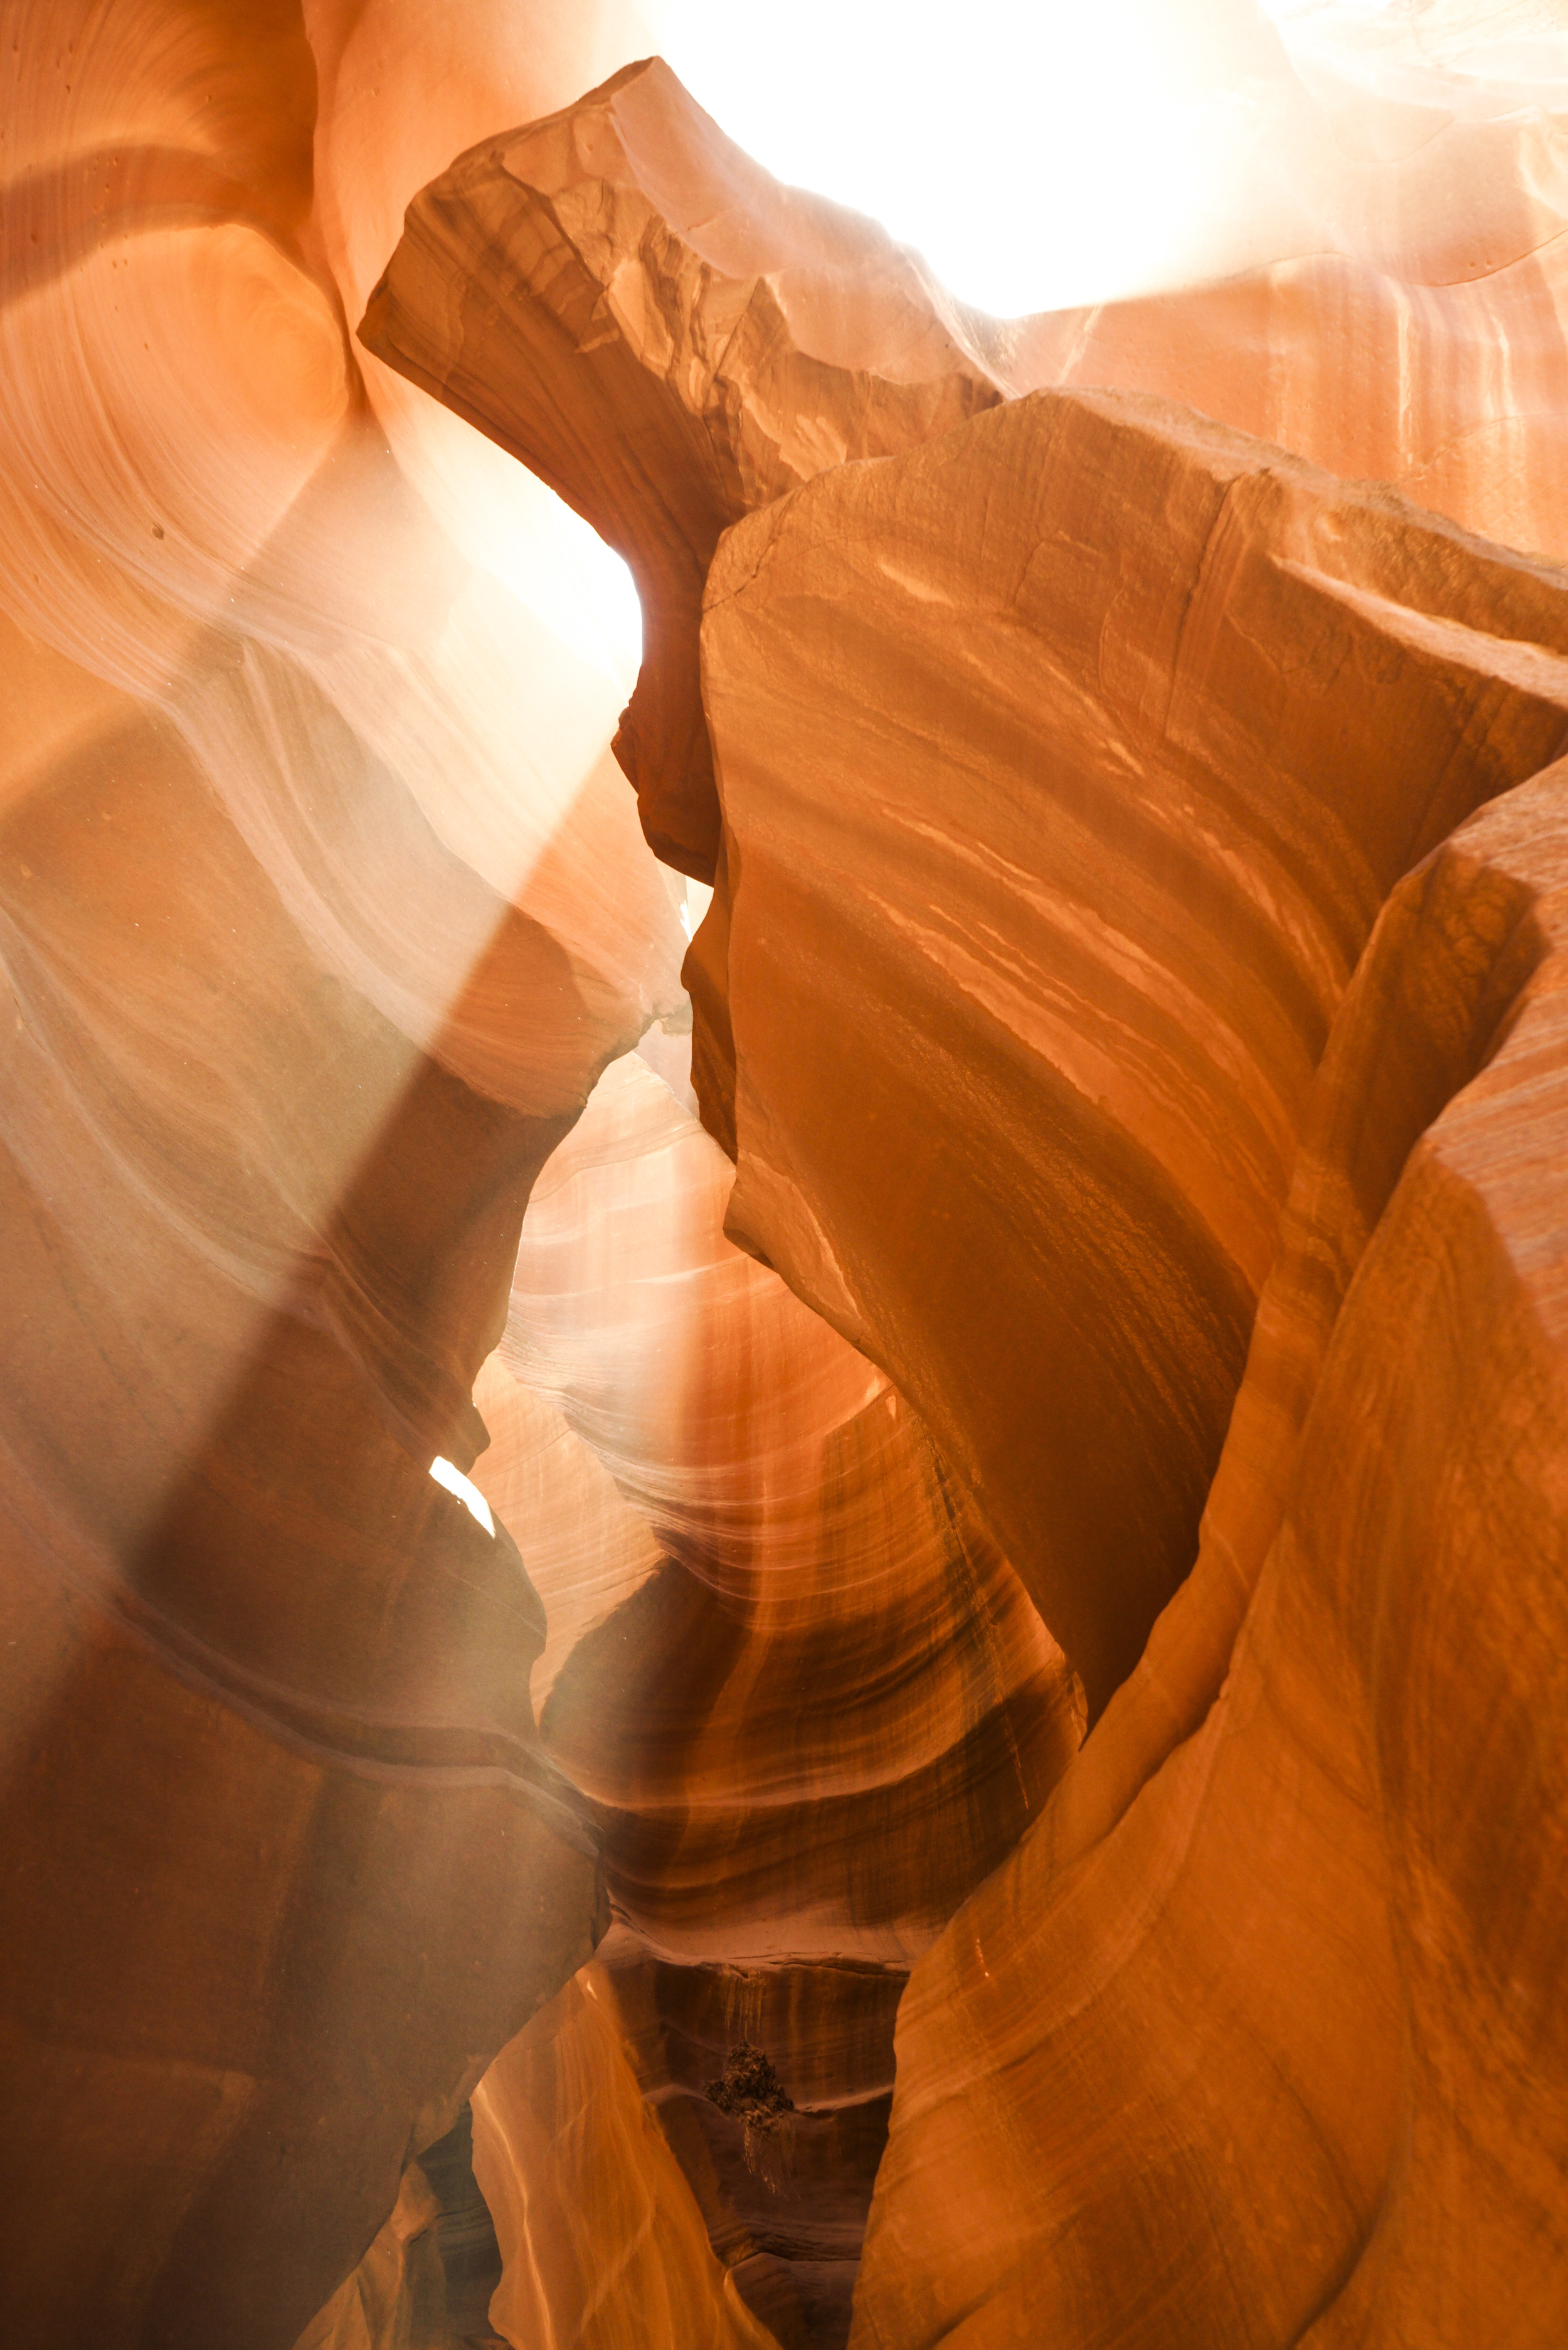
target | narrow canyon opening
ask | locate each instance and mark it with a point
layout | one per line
(782, 1149)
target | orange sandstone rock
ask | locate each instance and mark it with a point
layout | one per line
(305, 968)
(1064, 765)
(1195, 697)
(811, 1704)
(827, 1704)
(623, 299)
(1306, 1944)
(603, 2242)
(1447, 389)
(1066, 753)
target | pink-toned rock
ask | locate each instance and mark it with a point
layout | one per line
(305, 968)
(1066, 764)
(603, 2242)
(1081, 1035)
(1449, 392)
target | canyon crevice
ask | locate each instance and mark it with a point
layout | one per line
(784, 1483)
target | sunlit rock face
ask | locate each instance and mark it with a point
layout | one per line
(1148, 722)
(811, 1705)
(1062, 766)
(1414, 333)
(659, 330)
(1118, 1274)
(1298, 1908)
(1130, 1035)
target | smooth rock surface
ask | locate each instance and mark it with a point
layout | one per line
(310, 957)
(1303, 1924)
(811, 1705)
(1412, 331)
(1064, 765)
(1144, 1072)
(1067, 766)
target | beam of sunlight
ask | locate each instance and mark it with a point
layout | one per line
(1037, 157)
(473, 1499)
(1052, 156)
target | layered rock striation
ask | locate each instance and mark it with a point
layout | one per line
(1121, 1277)
(1130, 1035)
(1066, 761)
(1064, 765)
(810, 1704)
(1296, 1906)
(299, 993)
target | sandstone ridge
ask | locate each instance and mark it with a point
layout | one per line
(1089, 1063)
(567, 1514)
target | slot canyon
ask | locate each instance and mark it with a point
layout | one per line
(783, 1176)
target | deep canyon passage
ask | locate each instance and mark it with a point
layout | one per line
(783, 1442)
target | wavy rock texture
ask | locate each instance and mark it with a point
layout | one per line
(1158, 1172)
(301, 988)
(1044, 883)
(1419, 337)
(625, 301)
(603, 2242)
(1149, 1302)
(1308, 1946)
(810, 1542)
(1447, 389)
(810, 1703)
(428, 2278)
(1065, 767)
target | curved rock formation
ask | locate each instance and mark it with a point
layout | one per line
(1303, 1922)
(811, 1704)
(628, 302)
(299, 993)
(1415, 333)
(1038, 923)
(1064, 764)
(1226, 627)
(430, 2274)
(603, 2242)
(812, 1548)
(1447, 389)
(1141, 1070)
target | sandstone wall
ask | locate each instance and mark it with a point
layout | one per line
(1119, 1279)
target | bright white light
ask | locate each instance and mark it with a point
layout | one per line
(561, 568)
(1473, 58)
(473, 1499)
(1038, 152)
(505, 520)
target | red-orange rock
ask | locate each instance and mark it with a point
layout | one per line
(1307, 1947)
(603, 2244)
(811, 1704)
(1413, 332)
(1248, 699)
(1070, 752)
(623, 299)
(1448, 390)
(1064, 765)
